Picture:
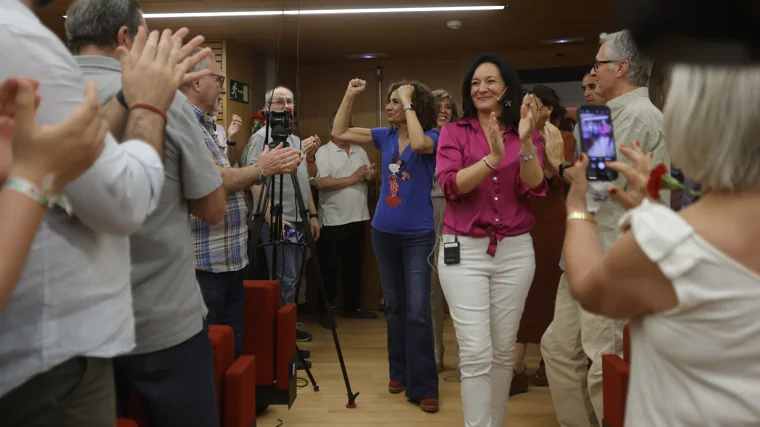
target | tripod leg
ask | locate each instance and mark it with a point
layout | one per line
(330, 319)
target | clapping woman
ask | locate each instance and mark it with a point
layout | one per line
(490, 164)
(403, 234)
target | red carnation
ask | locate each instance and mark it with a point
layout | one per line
(661, 179)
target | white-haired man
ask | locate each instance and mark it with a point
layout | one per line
(290, 256)
(575, 335)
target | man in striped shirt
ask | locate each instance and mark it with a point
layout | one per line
(221, 251)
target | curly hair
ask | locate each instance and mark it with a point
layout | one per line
(511, 115)
(424, 103)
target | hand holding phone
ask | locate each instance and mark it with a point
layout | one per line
(598, 142)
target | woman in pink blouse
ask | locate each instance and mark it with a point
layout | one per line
(489, 165)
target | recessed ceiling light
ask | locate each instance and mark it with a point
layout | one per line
(323, 12)
(367, 56)
(563, 41)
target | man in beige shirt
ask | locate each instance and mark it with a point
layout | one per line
(576, 335)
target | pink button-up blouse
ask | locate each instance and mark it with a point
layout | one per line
(498, 207)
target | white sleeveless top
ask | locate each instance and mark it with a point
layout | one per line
(697, 364)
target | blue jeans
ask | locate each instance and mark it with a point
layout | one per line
(175, 385)
(289, 260)
(405, 276)
(224, 295)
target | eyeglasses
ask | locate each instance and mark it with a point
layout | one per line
(219, 79)
(598, 63)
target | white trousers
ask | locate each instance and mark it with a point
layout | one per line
(573, 337)
(486, 297)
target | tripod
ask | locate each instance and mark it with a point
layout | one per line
(268, 193)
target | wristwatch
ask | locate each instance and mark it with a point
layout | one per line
(231, 143)
(313, 215)
(562, 167)
(408, 107)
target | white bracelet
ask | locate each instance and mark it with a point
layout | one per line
(531, 156)
(28, 189)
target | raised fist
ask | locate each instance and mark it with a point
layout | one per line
(356, 86)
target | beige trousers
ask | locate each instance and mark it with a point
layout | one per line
(573, 337)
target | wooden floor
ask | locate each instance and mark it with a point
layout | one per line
(364, 348)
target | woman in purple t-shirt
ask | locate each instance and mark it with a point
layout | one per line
(403, 233)
(489, 164)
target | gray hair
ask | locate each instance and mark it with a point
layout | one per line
(200, 67)
(620, 46)
(270, 93)
(711, 126)
(97, 22)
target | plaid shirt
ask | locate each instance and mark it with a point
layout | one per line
(223, 247)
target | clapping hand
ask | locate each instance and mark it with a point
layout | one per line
(369, 174)
(495, 141)
(359, 173)
(234, 127)
(157, 65)
(528, 117)
(310, 145)
(554, 145)
(49, 156)
(356, 86)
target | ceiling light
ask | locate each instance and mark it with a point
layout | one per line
(367, 56)
(323, 12)
(563, 41)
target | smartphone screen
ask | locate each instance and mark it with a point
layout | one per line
(598, 142)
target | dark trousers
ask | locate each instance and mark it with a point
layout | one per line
(405, 277)
(224, 295)
(175, 386)
(76, 393)
(341, 248)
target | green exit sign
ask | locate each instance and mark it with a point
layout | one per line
(238, 92)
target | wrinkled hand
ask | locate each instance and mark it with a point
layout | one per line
(278, 161)
(314, 223)
(356, 86)
(370, 173)
(495, 140)
(359, 173)
(157, 65)
(310, 145)
(405, 94)
(554, 145)
(528, 117)
(234, 127)
(53, 156)
(637, 175)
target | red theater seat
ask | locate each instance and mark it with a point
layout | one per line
(616, 372)
(240, 393)
(123, 422)
(262, 300)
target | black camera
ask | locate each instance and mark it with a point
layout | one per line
(279, 124)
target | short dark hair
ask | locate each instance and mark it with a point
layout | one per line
(511, 114)
(441, 95)
(549, 98)
(567, 124)
(97, 22)
(424, 103)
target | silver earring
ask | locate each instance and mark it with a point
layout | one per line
(508, 103)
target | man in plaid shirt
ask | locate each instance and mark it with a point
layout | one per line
(221, 250)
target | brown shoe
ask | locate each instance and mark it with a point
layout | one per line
(539, 378)
(429, 405)
(396, 387)
(519, 383)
